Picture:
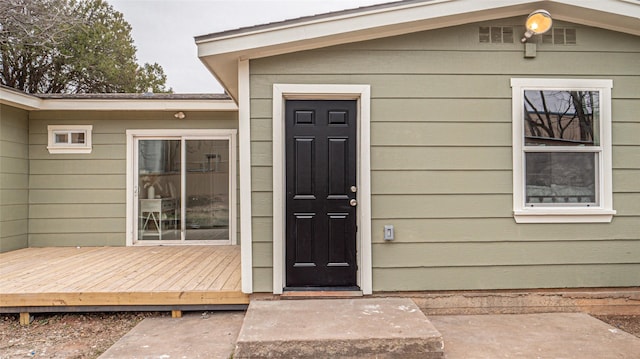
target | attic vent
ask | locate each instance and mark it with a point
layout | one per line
(560, 36)
(496, 34)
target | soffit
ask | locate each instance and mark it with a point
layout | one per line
(221, 52)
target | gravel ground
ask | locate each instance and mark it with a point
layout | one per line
(87, 335)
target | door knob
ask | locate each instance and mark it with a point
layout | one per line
(353, 202)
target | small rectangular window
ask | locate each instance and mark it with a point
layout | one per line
(69, 139)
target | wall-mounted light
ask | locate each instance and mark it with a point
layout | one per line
(179, 115)
(538, 22)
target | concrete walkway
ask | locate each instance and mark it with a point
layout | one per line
(534, 336)
(538, 336)
(196, 335)
(380, 328)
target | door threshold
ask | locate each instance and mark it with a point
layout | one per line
(320, 294)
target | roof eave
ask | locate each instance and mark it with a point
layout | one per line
(221, 53)
(33, 103)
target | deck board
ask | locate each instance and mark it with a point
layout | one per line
(107, 276)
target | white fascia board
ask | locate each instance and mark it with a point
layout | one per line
(19, 100)
(136, 105)
(620, 15)
(616, 15)
(33, 103)
(222, 53)
(374, 22)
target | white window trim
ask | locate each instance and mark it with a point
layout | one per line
(131, 189)
(604, 211)
(54, 147)
(361, 93)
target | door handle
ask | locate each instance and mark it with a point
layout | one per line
(353, 202)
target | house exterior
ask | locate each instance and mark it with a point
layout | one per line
(409, 146)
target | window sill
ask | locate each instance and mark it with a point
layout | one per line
(563, 215)
(55, 150)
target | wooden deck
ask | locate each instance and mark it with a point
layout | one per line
(170, 276)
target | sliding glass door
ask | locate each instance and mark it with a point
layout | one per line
(183, 189)
(206, 210)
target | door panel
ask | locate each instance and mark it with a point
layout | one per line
(320, 172)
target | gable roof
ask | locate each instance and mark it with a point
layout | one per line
(220, 52)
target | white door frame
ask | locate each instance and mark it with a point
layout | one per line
(188, 134)
(362, 94)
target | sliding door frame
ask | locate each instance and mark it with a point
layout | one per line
(132, 190)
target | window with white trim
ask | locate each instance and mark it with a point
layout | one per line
(69, 139)
(562, 150)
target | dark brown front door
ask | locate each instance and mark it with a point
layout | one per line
(321, 193)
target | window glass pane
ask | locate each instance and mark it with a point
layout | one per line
(559, 177)
(561, 118)
(62, 138)
(207, 190)
(159, 189)
(77, 137)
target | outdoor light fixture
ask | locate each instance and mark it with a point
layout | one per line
(538, 22)
(179, 115)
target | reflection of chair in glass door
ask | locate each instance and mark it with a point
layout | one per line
(158, 216)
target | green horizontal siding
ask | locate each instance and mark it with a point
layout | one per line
(452, 230)
(441, 158)
(78, 181)
(474, 254)
(491, 86)
(349, 62)
(14, 178)
(80, 199)
(504, 277)
(432, 110)
(74, 239)
(441, 182)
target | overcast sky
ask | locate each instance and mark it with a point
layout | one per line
(163, 30)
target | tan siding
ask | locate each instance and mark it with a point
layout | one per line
(80, 199)
(441, 158)
(14, 178)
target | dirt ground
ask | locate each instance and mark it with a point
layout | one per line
(87, 335)
(72, 335)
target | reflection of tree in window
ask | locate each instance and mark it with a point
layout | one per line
(556, 120)
(560, 118)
